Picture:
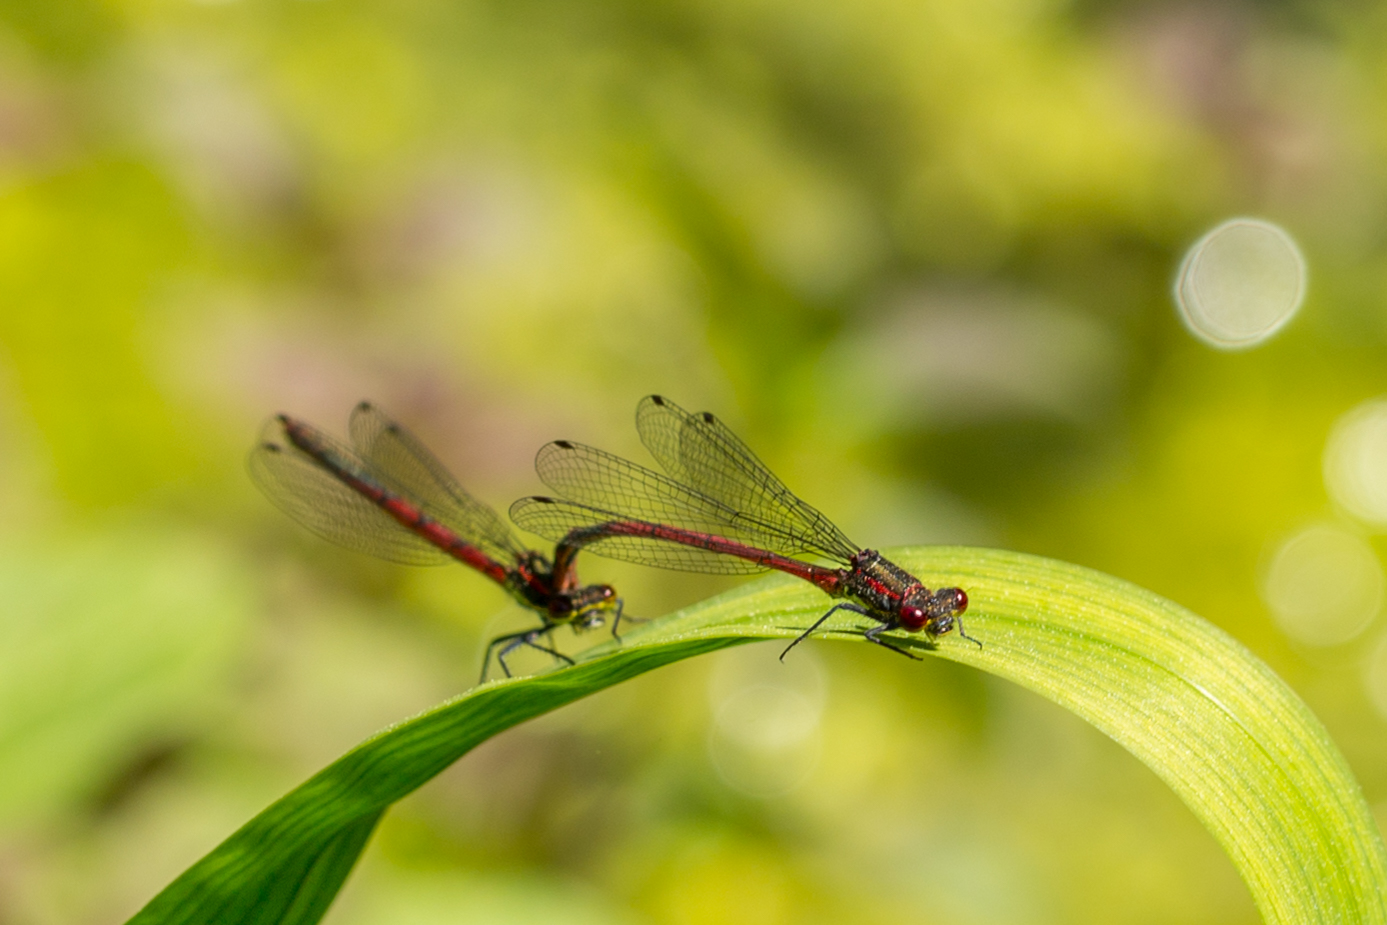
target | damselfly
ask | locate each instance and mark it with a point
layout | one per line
(719, 509)
(388, 496)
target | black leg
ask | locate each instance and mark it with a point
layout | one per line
(846, 605)
(874, 635)
(627, 618)
(510, 647)
(512, 641)
(528, 639)
(534, 645)
(965, 635)
(491, 647)
(616, 619)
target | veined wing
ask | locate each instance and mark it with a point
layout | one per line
(608, 482)
(623, 489)
(619, 536)
(301, 487)
(702, 452)
(401, 463)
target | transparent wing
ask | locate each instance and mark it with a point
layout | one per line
(700, 451)
(400, 462)
(554, 519)
(601, 480)
(624, 489)
(310, 494)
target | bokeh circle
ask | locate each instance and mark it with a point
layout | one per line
(1240, 283)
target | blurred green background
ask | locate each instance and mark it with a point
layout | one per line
(919, 254)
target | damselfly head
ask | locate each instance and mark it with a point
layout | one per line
(950, 601)
(591, 606)
(933, 612)
(945, 606)
(599, 596)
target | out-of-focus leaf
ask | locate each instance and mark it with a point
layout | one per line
(1237, 745)
(111, 646)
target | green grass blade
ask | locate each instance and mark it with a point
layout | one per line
(315, 892)
(1233, 741)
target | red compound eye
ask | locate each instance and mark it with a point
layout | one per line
(960, 600)
(912, 618)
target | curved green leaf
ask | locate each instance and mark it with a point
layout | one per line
(1236, 744)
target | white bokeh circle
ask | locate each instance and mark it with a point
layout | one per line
(1355, 462)
(1240, 283)
(1324, 585)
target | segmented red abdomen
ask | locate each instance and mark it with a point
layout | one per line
(830, 580)
(408, 515)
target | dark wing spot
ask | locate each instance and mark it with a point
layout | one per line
(708, 417)
(564, 444)
(658, 399)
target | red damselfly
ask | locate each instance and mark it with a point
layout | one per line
(388, 496)
(719, 509)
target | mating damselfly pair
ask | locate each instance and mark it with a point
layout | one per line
(716, 509)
